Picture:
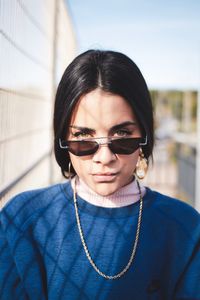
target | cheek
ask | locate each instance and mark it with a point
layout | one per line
(80, 165)
(128, 162)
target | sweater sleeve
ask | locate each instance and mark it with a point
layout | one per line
(11, 287)
(188, 287)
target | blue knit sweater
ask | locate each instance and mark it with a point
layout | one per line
(41, 255)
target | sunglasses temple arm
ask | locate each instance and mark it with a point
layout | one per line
(61, 146)
(145, 142)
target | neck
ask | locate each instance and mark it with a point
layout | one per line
(125, 196)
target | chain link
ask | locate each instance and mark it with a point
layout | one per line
(86, 248)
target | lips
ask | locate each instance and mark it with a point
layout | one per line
(104, 177)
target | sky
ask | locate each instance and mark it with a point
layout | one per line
(161, 37)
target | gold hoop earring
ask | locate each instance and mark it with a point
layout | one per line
(141, 166)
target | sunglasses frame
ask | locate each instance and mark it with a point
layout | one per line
(100, 143)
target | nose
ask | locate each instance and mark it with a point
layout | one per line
(104, 155)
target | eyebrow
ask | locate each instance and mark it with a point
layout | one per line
(124, 124)
(113, 128)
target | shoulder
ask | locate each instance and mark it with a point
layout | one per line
(174, 212)
(26, 204)
(171, 207)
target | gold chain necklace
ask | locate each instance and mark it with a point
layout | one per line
(86, 248)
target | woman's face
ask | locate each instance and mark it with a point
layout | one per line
(96, 115)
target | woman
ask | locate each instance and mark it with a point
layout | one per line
(102, 234)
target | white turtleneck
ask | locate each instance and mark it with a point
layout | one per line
(125, 196)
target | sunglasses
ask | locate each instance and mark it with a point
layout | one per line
(91, 145)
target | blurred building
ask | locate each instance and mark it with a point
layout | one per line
(36, 44)
(176, 169)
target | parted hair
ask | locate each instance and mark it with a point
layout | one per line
(112, 72)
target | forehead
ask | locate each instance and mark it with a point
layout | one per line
(101, 109)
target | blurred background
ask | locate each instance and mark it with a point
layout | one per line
(39, 38)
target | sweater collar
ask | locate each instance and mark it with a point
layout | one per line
(125, 196)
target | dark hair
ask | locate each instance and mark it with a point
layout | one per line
(112, 72)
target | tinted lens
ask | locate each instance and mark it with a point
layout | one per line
(125, 146)
(81, 148)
